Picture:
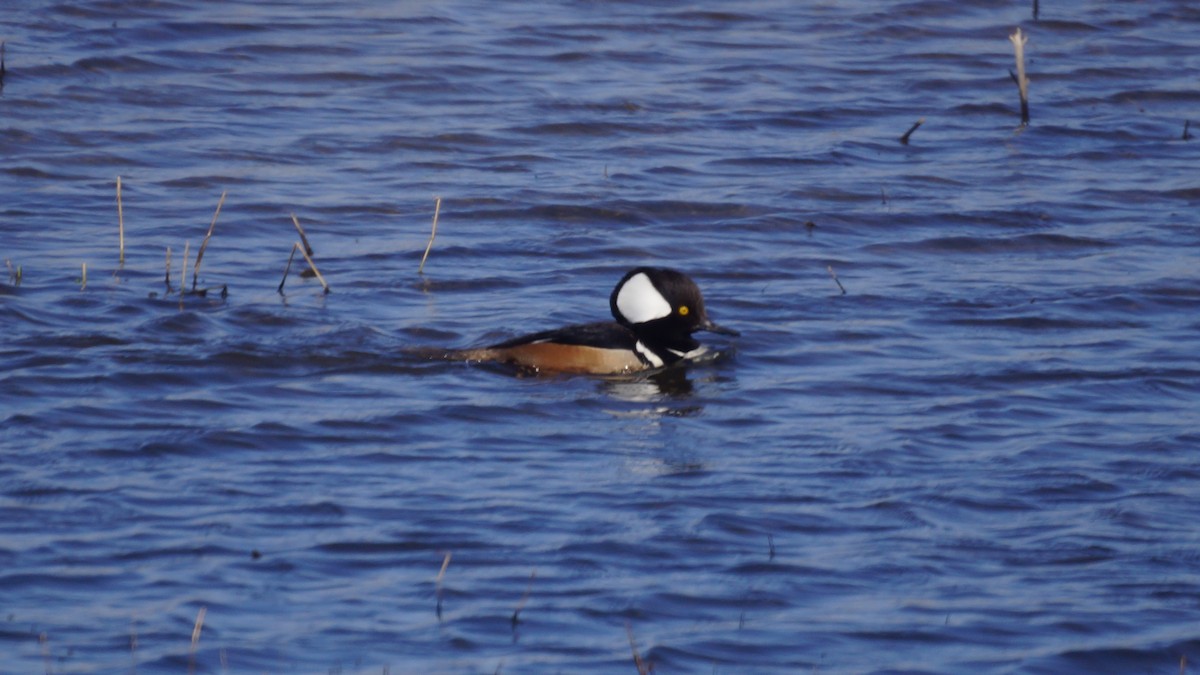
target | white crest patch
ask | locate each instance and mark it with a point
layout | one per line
(639, 301)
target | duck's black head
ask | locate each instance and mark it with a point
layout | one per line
(663, 307)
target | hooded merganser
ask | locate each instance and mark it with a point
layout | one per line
(656, 312)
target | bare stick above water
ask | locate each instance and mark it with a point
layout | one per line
(1186, 136)
(313, 266)
(204, 244)
(835, 279)
(438, 584)
(437, 207)
(303, 238)
(287, 269)
(120, 222)
(642, 668)
(914, 127)
(1019, 41)
(196, 639)
(83, 282)
(183, 273)
(168, 279)
(524, 599)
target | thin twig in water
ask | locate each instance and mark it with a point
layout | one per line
(1019, 41)
(204, 244)
(183, 273)
(437, 207)
(196, 639)
(771, 543)
(524, 599)
(303, 238)
(313, 266)
(438, 583)
(83, 282)
(287, 269)
(914, 127)
(44, 641)
(642, 668)
(168, 279)
(133, 643)
(835, 278)
(120, 222)
(1186, 136)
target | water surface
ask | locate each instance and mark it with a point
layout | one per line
(979, 458)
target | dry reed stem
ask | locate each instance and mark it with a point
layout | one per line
(204, 244)
(303, 238)
(44, 641)
(83, 286)
(120, 222)
(642, 668)
(835, 278)
(313, 266)
(168, 279)
(914, 127)
(438, 583)
(183, 272)
(288, 268)
(1019, 41)
(437, 207)
(133, 643)
(196, 639)
(524, 599)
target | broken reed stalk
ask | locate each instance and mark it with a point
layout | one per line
(168, 279)
(1019, 41)
(183, 274)
(438, 583)
(204, 244)
(835, 278)
(524, 599)
(133, 642)
(313, 266)
(914, 127)
(642, 668)
(44, 641)
(303, 239)
(287, 269)
(83, 282)
(120, 223)
(196, 639)
(437, 207)
(1186, 136)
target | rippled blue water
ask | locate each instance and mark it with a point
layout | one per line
(980, 458)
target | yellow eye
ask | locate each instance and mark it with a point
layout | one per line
(683, 310)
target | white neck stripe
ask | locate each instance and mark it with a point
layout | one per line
(654, 359)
